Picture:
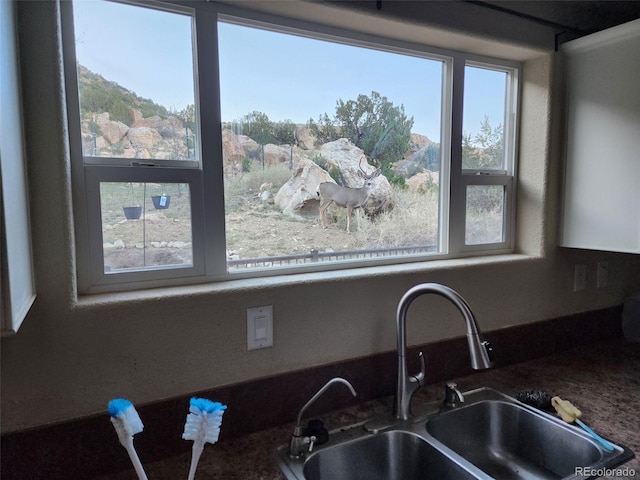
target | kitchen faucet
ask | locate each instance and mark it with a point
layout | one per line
(299, 442)
(408, 384)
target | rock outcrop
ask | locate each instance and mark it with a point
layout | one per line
(143, 137)
(112, 131)
(299, 195)
(305, 139)
(151, 138)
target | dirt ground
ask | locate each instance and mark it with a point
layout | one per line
(260, 230)
(253, 229)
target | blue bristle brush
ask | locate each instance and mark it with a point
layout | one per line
(126, 421)
(202, 426)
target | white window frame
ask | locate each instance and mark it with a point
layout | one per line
(205, 178)
(493, 177)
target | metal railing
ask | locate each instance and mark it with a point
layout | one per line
(315, 256)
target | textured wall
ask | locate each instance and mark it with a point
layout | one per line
(70, 357)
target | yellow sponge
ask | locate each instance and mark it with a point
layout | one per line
(566, 409)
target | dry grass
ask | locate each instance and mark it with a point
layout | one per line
(250, 182)
(412, 222)
(484, 226)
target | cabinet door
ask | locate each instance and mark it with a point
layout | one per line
(602, 170)
(17, 291)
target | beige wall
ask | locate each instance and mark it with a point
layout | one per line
(70, 357)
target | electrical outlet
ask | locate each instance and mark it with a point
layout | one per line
(602, 279)
(259, 327)
(580, 277)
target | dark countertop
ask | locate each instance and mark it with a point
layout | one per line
(602, 380)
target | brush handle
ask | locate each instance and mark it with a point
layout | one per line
(606, 445)
(133, 455)
(196, 451)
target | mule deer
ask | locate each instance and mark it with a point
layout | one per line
(349, 198)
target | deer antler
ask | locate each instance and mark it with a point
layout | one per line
(360, 166)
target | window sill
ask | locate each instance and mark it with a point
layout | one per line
(247, 285)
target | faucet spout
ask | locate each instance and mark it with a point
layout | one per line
(408, 384)
(298, 441)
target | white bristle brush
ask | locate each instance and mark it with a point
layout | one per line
(126, 421)
(202, 426)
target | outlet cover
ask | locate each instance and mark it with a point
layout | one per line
(259, 327)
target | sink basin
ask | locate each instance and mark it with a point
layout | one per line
(509, 441)
(387, 456)
(493, 436)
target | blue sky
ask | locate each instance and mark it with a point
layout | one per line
(284, 76)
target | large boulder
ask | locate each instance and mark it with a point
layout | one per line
(143, 137)
(250, 146)
(232, 152)
(277, 154)
(299, 196)
(349, 160)
(112, 131)
(136, 116)
(167, 127)
(304, 138)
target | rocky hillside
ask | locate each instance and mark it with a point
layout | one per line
(118, 123)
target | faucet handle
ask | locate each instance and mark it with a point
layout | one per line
(312, 442)
(489, 349)
(452, 396)
(419, 378)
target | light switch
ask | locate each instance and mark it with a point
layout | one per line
(259, 327)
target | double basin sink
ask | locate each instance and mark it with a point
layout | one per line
(491, 436)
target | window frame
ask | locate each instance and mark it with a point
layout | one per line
(206, 179)
(489, 177)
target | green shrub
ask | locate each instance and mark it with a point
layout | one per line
(395, 179)
(319, 160)
(246, 164)
(334, 172)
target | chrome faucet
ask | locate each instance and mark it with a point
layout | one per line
(408, 384)
(298, 443)
(452, 396)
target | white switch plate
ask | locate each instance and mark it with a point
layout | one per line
(259, 327)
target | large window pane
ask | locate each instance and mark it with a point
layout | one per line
(136, 84)
(298, 112)
(145, 225)
(484, 118)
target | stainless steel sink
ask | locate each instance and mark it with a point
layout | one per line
(491, 436)
(394, 455)
(508, 441)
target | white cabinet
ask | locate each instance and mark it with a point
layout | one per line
(17, 291)
(602, 169)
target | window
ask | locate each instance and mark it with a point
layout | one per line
(487, 155)
(198, 153)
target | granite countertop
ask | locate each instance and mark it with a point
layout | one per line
(602, 380)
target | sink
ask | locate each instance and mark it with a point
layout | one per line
(491, 436)
(391, 455)
(508, 441)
